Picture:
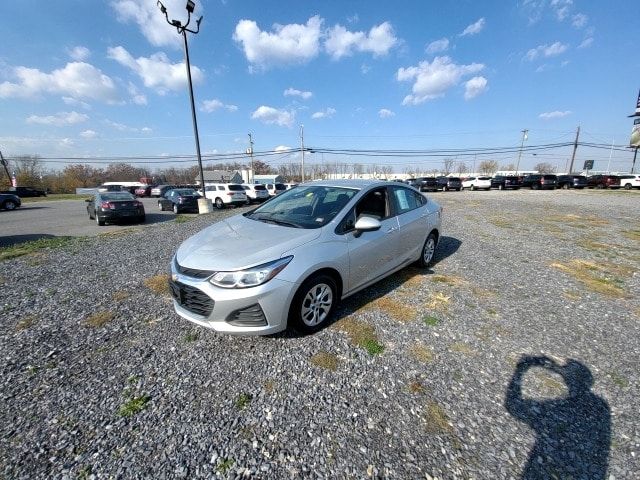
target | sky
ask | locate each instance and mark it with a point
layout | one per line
(106, 80)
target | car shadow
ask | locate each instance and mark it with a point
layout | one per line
(12, 240)
(573, 432)
(158, 218)
(447, 246)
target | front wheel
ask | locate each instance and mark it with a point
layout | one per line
(473, 188)
(160, 207)
(500, 187)
(627, 186)
(10, 205)
(313, 303)
(428, 251)
(176, 210)
(219, 203)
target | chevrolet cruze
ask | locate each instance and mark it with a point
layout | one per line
(289, 261)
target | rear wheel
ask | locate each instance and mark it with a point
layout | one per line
(10, 205)
(219, 203)
(176, 210)
(500, 187)
(99, 221)
(313, 303)
(160, 206)
(565, 186)
(627, 186)
(428, 251)
(473, 188)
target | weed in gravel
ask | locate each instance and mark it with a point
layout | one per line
(416, 387)
(619, 380)
(451, 280)
(438, 301)
(184, 218)
(269, 386)
(192, 336)
(26, 322)
(121, 232)
(421, 353)
(632, 234)
(436, 419)
(35, 246)
(120, 296)
(500, 222)
(158, 284)
(430, 321)
(85, 472)
(593, 245)
(133, 405)
(99, 319)
(460, 347)
(398, 310)
(2, 280)
(243, 400)
(578, 221)
(361, 334)
(572, 295)
(225, 465)
(325, 360)
(483, 293)
(599, 277)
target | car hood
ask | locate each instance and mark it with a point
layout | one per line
(239, 242)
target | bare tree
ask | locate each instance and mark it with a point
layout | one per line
(488, 166)
(544, 167)
(357, 170)
(508, 167)
(447, 166)
(461, 168)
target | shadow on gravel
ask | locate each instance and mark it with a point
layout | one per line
(18, 239)
(158, 218)
(447, 246)
(573, 433)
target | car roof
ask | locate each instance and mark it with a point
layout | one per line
(346, 183)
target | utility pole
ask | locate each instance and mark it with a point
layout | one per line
(250, 152)
(575, 147)
(6, 169)
(524, 137)
(302, 152)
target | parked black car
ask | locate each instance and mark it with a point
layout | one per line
(26, 192)
(425, 184)
(112, 206)
(503, 182)
(449, 183)
(180, 200)
(571, 181)
(9, 201)
(539, 181)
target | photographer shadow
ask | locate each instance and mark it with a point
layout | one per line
(573, 433)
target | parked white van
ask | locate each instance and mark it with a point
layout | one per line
(223, 194)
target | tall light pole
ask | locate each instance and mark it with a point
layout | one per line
(204, 206)
(250, 152)
(524, 137)
(302, 152)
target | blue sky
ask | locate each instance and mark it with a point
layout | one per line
(95, 78)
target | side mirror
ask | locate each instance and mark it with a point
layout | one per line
(367, 224)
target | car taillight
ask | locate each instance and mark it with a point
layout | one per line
(137, 203)
(230, 193)
(107, 206)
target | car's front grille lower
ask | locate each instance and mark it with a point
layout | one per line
(193, 272)
(252, 316)
(191, 298)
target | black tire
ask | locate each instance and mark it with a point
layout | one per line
(500, 187)
(219, 203)
(458, 189)
(305, 314)
(142, 218)
(565, 186)
(160, 207)
(473, 188)
(428, 251)
(627, 186)
(99, 222)
(9, 205)
(176, 209)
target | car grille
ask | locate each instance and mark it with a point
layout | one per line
(191, 298)
(193, 272)
(252, 316)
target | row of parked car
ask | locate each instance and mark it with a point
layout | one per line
(534, 182)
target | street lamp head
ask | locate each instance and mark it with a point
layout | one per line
(176, 23)
(163, 9)
(190, 6)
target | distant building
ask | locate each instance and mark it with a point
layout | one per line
(220, 176)
(264, 179)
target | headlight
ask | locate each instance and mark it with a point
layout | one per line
(251, 277)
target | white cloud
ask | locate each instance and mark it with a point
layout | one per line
(286, 44)
(215, 104)
(364, 68)
(432, 80)
(66, 142)
(292, 92)
(136, 96)
(152, 22)
(327, 113)
(76, 80)
(270, 116)
(554, 114)
(474, 28)
(380, 39)
(561, 8)
(282, 148)
(79, 53)
(385, 113)
(586, 42)
(579, 20)
(156, 71)
(89, 134)
(60, 119)
(146, 130)
(438, 46)
(552, 50)
(474, 87)
(76, 103)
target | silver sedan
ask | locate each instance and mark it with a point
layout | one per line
(289, 261)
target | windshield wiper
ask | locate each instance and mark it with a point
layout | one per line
(279, 222)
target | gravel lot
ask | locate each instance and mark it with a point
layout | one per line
(99, 378)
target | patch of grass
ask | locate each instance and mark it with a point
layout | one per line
(438, 301)
(325, 360)
(243, 400)
(36, 246)
(120, 296)
(225, 465)
(415, 387)
(269, 386)
(578, 221)
(421, 353)
(436, 419)
(632, 234)
(492, 311)
(158, 284)
(451, 280)
(396, 309)
(603, 278)
(595, 246)
(572, 295)
(56, 196)
(430, 321)
(460, 347)
(500, 222)
(99, 319)
(361, 334)
(121, 232)
(192, 336)
(85, 472)
(619, 380)
(133, 406)
(26, 322)
(483, 293)
(181, 218)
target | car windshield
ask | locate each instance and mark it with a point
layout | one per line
(304, 206)
(117, 196)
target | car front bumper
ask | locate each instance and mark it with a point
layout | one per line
(272, 299)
